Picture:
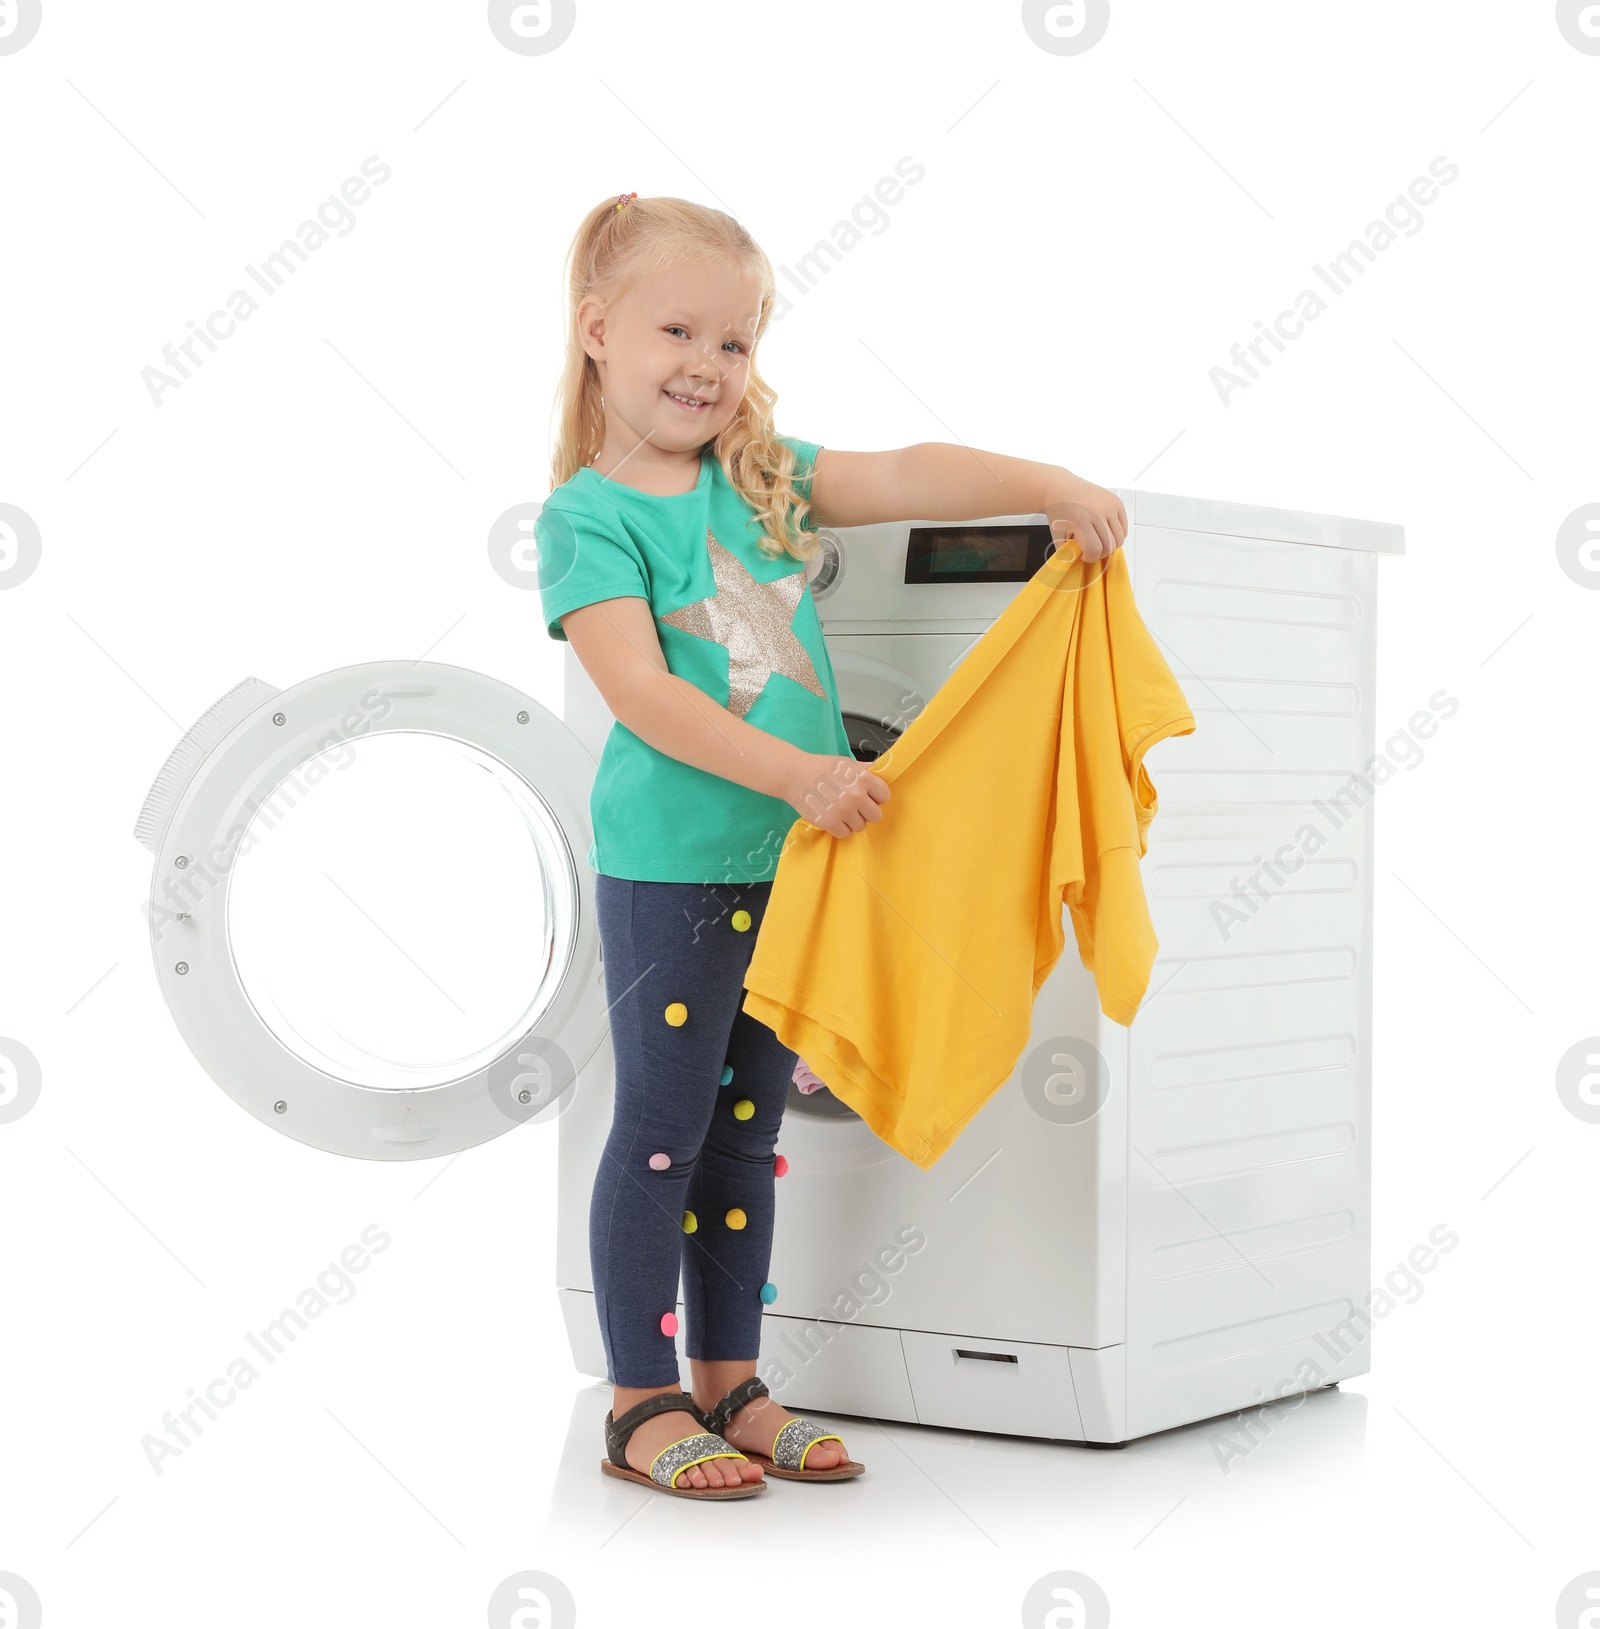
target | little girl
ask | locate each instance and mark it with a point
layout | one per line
(671, 554)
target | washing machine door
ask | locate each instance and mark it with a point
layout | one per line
(371, 915)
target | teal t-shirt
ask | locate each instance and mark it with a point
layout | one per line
(732, 619)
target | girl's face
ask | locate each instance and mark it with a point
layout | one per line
(673, 353)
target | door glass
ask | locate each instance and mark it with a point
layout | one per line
(402, 908)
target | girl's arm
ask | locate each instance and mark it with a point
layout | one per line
(617, 643)
(937, 480)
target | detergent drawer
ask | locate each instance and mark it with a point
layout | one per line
(975, 1384)
(839, 1367)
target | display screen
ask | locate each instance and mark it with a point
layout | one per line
(975, 554)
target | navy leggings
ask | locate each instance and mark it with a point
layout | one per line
(707, 1091)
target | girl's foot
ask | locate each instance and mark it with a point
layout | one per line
(654, 1434)
(754, 1427)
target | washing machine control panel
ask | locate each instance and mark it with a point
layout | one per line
(981, 553)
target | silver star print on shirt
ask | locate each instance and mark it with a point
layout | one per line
(754, 620)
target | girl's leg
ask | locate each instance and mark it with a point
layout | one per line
(661, 962)
(666, 1084)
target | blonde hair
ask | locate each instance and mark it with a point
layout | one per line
(616, 248)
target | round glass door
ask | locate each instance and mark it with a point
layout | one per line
(371, 914)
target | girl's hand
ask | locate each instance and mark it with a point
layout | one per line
(839, 795)
(1088, 514)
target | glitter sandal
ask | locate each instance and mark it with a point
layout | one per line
(676, 1457)
(795, 1439)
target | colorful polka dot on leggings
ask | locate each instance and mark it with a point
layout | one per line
(676, 1014)
(780, 1166)
(659, 1162)
(689, 1222)
(727, 1073)
(669, 1323)
(741, 921)
(735, 1218)
(743, 1109)
(769, 1293)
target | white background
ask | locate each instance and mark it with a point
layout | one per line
(1092, 235)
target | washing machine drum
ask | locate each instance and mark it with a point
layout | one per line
(869, 737)
(371, 913)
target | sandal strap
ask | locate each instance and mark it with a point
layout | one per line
(795, 1439)
(694, 1449)
(619, 1430)
(721, 1413)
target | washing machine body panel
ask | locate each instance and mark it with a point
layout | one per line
(1249, 1108)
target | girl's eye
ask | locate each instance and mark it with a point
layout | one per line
(678, 328)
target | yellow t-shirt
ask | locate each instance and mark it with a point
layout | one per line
(902, 962)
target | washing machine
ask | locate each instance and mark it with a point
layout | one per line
(372, 921)
(1146, 1226)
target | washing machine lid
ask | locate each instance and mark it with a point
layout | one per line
(371, 913)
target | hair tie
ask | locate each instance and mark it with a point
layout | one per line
(622, 198)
